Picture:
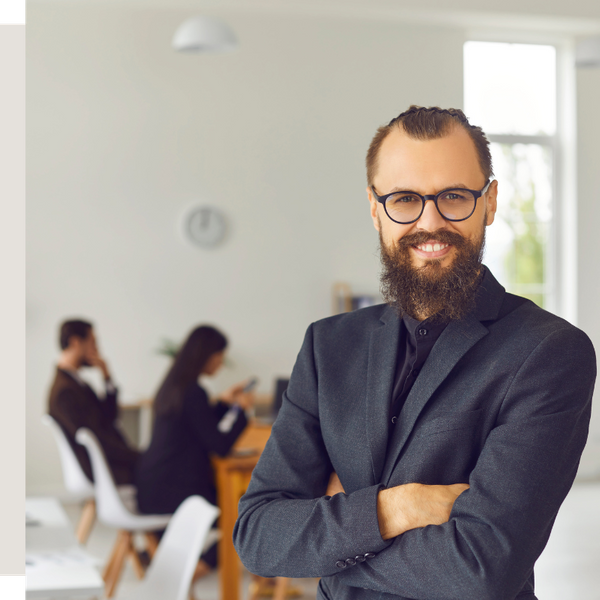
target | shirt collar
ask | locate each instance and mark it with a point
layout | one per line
(74, 375)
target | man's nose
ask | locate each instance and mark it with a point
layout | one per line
(431, 219)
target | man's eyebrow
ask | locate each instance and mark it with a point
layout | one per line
(447, 187)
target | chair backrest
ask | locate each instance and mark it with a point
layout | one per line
(170, 573)
(109, 505)
(75, 479)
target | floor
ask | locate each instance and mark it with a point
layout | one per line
(569, 568)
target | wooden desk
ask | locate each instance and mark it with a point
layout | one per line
(233, 476)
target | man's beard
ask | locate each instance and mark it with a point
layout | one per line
(444, 293)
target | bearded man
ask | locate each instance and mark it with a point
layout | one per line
(424, 446)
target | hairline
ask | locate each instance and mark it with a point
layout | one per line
(449, 128)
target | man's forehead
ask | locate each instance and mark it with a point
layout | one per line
(410, 163)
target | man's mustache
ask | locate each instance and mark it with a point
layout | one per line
(440, 235)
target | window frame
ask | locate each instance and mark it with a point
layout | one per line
(561, 252)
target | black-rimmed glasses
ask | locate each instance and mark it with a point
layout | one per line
(405, 207)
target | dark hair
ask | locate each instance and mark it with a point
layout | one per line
(200, 345)
(73, 327)
(427, 124)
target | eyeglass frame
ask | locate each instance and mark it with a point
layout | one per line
(476, 195)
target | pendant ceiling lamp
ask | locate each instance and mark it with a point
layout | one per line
(204, 34)
(587, 52)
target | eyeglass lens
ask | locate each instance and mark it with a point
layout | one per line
(452, 204)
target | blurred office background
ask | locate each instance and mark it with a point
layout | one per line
(125, 135)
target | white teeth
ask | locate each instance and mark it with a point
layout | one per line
(432, 247)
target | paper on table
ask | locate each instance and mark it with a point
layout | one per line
(71, 557)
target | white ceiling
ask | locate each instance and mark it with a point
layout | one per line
(575, 16)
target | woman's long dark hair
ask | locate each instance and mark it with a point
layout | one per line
(201, 344)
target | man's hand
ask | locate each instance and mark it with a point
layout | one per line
(414, 505)
(95, 360)
(334, 486)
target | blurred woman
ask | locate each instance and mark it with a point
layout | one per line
(186, 429)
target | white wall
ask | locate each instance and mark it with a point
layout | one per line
(123, 133)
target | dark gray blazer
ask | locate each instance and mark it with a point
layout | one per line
(502, 403)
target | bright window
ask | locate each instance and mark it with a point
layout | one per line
(510, 91)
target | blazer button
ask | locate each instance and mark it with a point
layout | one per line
(340, 564)
(350, 562)
(360, 558)
(369, 555)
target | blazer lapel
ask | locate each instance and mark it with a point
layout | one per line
(455, 341)
(381, 370)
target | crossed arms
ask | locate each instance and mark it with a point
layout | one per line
(477, 541)
(409, 506)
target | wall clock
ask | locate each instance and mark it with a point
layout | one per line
(205, 226)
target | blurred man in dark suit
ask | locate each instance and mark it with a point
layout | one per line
(74, 404)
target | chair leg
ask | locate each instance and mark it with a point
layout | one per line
(151, 544)
(281, 588)
(136, 562)
(116, 567)
(88, 516)
(111, 558)
(255, 587)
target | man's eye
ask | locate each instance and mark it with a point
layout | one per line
(403, 199)
(453, 196)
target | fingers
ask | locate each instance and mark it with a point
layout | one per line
(334, 486)
(245, 399)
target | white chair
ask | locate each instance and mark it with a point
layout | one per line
(80, 488)
(75, 480)
(113, 512)
(170, 574)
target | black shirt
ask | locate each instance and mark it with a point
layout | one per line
(416, 341)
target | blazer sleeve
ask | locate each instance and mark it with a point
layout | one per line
(499, 527)
(286, 525)
(73, 414)
(203, 420)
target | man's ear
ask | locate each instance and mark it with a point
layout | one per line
(491, 202)
(373, 204)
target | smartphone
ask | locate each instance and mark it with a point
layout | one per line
(250, 385)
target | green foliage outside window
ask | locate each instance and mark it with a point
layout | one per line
(524, 262)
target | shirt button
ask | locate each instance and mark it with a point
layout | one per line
(360, 558)
(369, 555)
(340, 564)
(422, 331)
(350, 562)
(394, 419)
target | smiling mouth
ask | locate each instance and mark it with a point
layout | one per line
(431, 247)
